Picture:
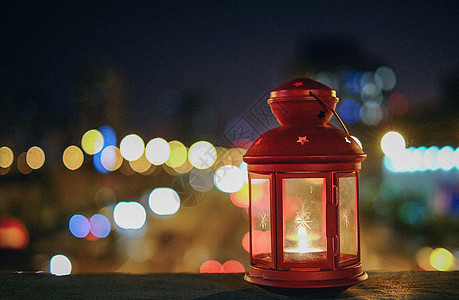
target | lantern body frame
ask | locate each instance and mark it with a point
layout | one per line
(312, 155)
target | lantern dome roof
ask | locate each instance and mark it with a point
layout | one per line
(303, 107)
(310, 144)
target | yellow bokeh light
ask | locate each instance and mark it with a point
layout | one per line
(132, 147)
(73, 157)
(140, 165)
(111, 158)
(441, 259)
(184, 168)
(92, 141)
(178, 154)
(35, 157)
(6, 157)
(202, 155)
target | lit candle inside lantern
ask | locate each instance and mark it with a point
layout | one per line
(303, 243)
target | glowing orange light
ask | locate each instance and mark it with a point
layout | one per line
(246, 242)
(241, 197)
(6, 157)
(211, 266)
(233, 266)
(73, 157)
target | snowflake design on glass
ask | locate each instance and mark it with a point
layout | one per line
(264, 218)
(303, 218)
(345, 216)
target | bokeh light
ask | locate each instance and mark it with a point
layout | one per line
(240, 198)
(164, 201)
(178, 155)
(132, 147)
(157, 151)
(79, 226)
(129, 215)
(385, 78)
(350, 111)
(393, 144)
(92, 141)
(372, 113)
(398, 104)
(60, 265)
(13, 234)
(73, 157)
(423, 258)
(228, 179)
(233, 266)
(23, 167)
(445, 158)
(211, 266)
(6, 157)
(140, 165)
(202, 155)
(100, 225)
(111, 158)
(441, 259)
(35, 157)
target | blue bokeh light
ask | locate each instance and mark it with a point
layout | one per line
(350, 111)
(79, 226)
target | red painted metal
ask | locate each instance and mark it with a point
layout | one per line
(305, 146)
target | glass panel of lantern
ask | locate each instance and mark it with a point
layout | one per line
(260, 210)
(304, 234)
(347, 209)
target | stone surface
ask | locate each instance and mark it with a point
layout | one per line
(380, 285)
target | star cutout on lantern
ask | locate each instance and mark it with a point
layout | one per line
(298, 83)
(302, 140)
(321, 115)
(347, 140)
(302, 219)
(258, 141)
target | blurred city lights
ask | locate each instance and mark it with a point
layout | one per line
(35, 157)
(372, 113)
(240, 198)
(184, 168)
(60, 265)
(129, 215)
(79, 226)
(211, 266)
(245, 172)
(233, 266)
(164, 201)
(23, 167)
(157, 151)
(140, 165)
(99, 226)
(132, 147)
(201, 180)
(92, 141)
(398, 104)
(422, 159)
(228, 179)
(111, 158)
(73, 157)
(423, 258)
(441, 259)
(178, 154)
(350, 111)
(392, 144)
(13, 234)
(6, 157)
(202, 155)
(385, 78)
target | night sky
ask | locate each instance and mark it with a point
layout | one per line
(232, 51)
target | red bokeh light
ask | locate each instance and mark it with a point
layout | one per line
(233, 266)
(13, 234)
(211, 266)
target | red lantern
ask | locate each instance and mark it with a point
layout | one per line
(304, 227)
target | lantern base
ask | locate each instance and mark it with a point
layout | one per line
(344, 278)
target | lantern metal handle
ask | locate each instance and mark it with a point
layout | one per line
(332, 110)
